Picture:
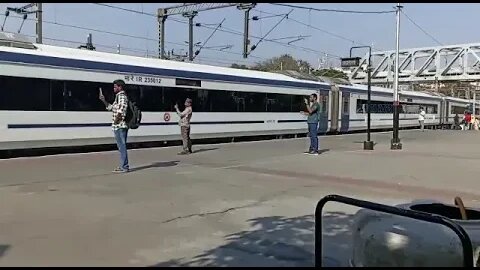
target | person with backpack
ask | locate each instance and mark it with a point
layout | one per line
(119, 109)
(313, 117)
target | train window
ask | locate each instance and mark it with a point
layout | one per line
(83, 96)
(430, 109)
(278, 102)
(239, 102)
(57, 91)
(222, 101)
(386, 107)
(346, 104)
(414, 108)
(148, 98)
(188, 82)
(254, 102)
(51, 95)
(133, 93)
(297, 104)
(375, 106)
(26, 94)
(174, 95)
(201, 100)
(411, 108)
(457, 109)
(361, 107)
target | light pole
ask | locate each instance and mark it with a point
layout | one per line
(368, 144)
(395, 143)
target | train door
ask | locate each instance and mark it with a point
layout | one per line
(334, 109)
(443, 120)
(345, 112)
(323, 124)
(447, 112)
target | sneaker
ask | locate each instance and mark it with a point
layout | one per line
(184, 153)
(315, 153)
(120, 170)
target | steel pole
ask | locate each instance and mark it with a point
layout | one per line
(245, 33)
(368, 144)
(395, 143)
(190, 38)
(474, 100)
(39, 29)
(369, 92)
(162, 37)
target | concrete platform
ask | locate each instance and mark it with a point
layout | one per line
(241, 204)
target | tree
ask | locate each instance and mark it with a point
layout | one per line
(239, 66)
(283, 62)
(330, 73)
(288, 62)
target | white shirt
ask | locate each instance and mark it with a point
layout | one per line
(185, 116)
(421, 116)
(119, 107)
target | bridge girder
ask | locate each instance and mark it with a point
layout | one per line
(459, 62)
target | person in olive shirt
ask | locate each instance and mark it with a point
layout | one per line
(313, 109)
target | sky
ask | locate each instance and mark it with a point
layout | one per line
(329, 35)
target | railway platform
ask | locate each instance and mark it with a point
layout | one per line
(237, 204)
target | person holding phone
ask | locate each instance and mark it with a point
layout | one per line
(421, 119)
(119, 126)
(313, 109)
(184, 123)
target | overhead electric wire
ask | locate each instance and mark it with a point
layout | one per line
(126, 9)
(273, 28)
(226, 30)
(146, 52)
(238, 33)
(333, 10)
(124, 35)
(205, 42)
(421, 29)
(323, 30)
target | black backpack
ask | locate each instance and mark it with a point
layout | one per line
(134, 115)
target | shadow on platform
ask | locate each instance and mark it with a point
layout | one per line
(156, 165)
(278, 241)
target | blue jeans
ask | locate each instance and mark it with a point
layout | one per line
(313, 133)
(121, 138)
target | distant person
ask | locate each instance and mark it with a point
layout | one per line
(468, 118)
(472, 122)
(184, 123)
(312, 113)
(456, 121)
(119, 126)
(421, 119)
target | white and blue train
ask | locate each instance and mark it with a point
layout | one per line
(49, 98)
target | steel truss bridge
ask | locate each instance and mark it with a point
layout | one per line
(448, 65)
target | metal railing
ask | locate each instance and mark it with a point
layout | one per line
(427, 217)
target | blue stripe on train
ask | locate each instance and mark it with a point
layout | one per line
(129, 69)
(76, 125)
(23, 126)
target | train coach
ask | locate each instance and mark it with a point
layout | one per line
(50, 99)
